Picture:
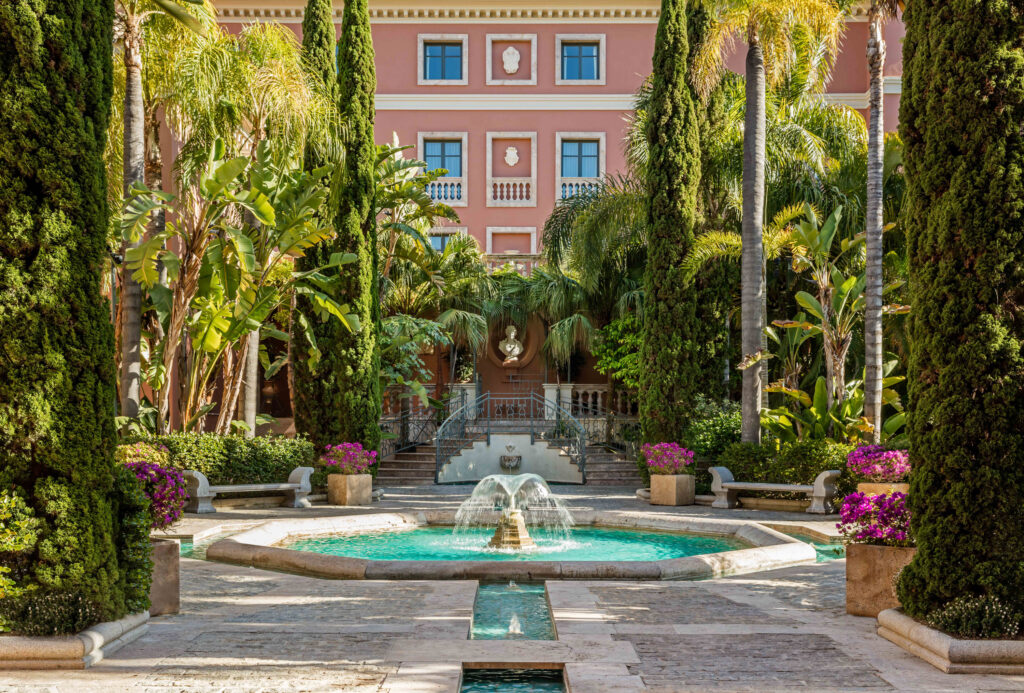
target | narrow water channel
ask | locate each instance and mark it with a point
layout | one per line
(512, 611)
(512, 681)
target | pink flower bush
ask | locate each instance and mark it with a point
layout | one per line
(348, 458)
(882, 519)
(667, 458)
(875, 463)
(164, 486)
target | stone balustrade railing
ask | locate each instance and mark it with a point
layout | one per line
(510, 192)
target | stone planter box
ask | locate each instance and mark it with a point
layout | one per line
(948, 654)
(165, 591)
(349, 489)
(878, 489)
(672, 489)
(870, 572)
(71, 651)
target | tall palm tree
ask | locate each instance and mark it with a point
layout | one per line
(132, 17)
(878, 13)
(768, 28)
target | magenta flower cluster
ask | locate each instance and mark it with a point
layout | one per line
(883, 519)
(165, 487)
(348, 458)
(667, 458)
(876, 463)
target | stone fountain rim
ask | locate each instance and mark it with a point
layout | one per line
(259, 547)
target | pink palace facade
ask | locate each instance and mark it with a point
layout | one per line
(524, 102)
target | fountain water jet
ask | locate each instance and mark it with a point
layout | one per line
(522, 499)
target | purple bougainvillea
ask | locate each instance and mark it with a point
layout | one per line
(348, 458)
(164, 486)
(667, 458)
(883, 519)
(876, 463)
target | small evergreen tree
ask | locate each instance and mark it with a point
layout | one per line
(960, 119)
(670, 372)
(313, 389)
(56, 342)
(350, 366)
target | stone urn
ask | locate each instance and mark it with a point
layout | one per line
(872, 488)
(672, 489)
(871, 575)
(349, 489)
(165, 590)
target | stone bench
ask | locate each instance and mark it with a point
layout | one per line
(726, 489)
(201, 494)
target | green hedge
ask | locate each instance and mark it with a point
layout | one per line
(237, 460)
(798, 463)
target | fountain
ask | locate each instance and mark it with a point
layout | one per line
(522, 499)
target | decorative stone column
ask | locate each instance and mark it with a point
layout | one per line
(557, 394)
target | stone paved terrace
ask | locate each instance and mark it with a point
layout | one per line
(243, 629)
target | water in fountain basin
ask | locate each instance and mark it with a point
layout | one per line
(528, 493)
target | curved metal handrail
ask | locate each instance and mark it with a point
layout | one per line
(530, 413)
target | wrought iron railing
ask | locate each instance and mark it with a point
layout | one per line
(412, 424)
(531, 413)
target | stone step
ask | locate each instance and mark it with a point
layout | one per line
(387, 481)
(637, 483)
(597, 474)
(411, 467)
(413, 456)
(406, 474)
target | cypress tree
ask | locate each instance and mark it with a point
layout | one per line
(960, 119)
(671, 372)
(56, 342)
(350, 368)
(313, 389)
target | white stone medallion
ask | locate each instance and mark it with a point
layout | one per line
(511, 156)
(510, 60)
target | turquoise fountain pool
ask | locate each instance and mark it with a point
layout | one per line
(584, 544)
(511, 611)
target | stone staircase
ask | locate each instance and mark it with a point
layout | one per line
(416, 467)
(607, 467)
(413, 467)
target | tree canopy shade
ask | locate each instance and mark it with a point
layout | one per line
(670, 373)
(57, 370)
(350, 365)
(960, 118)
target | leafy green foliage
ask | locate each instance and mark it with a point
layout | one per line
(964, 159)
(669, 370)
(49, 613)
(19, 532)
(798, 463)
(977, 617)
(234, 459)
(340, 400)
(133, 546)
(617, 350)
(714, 427)
(57, 370)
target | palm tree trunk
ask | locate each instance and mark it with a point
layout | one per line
(250, 403)
(752, 289)
(134, 172)
(873, 236)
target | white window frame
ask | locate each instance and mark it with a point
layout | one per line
(493, 231)
(421, 137)
(602, 58)
(491, 38)
(601, 138)
(532, 136)
(422, 39)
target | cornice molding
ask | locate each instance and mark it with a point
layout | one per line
(466, 11)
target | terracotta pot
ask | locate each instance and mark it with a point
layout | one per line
(672, 489)
(878, 489)
(165, 590)
(349, 489)
(870, 575)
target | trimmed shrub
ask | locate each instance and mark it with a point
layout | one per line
(50, 613)
(19, 532)
(715, 427)
(236, 460)
(960, 120)
(133, 546)
(977, 617)
(57, 371)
